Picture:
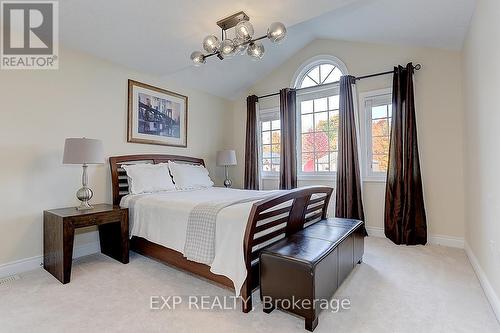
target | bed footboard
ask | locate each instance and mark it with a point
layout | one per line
(275, 218)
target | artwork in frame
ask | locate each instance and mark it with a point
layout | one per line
(156, 116)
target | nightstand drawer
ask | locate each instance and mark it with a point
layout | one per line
(96, 218)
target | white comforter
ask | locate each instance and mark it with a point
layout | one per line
(162, 218)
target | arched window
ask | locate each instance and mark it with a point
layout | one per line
(318, 71)
(320, 74)
(318, 114)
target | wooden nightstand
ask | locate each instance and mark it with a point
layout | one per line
(59, 230)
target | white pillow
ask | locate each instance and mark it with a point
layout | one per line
(189, 176)
(148, 178)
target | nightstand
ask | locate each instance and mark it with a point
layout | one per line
(59, 231)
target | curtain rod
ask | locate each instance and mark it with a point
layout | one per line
(417, 67)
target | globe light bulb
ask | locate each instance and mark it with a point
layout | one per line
(240, 46)
(256, 50)
(244, 30)
(227, 47)
(211, 44)
(198, 58)
(276, 32)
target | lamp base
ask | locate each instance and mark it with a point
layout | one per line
(84, 195)
(227, 183)
(85, 206)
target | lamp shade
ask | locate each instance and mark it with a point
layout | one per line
(226, 157)
(83, 151)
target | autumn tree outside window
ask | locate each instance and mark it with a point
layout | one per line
(378, 117)
(318, 117)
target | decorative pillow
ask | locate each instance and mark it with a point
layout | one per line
(148, 178)
(189, 176)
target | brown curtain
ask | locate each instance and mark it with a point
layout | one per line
(405, 218)
(288, 158)
(349, 203)
(251, 146)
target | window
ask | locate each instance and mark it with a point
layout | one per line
(319, 126)
(270, 137)
(318, 115)
(378, 114)
(321, 74)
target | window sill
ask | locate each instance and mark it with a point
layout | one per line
(302, 177)
(374, 180)
(324, 178)
(270, 177)
(318, 177)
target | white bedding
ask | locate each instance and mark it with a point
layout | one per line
(162, 218)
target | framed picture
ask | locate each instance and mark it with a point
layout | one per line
(156, 116)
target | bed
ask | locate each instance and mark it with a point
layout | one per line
(158, 223)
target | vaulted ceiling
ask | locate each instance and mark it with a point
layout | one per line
(157, 36)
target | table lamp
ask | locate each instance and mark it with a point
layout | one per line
(83, 151)
(226, 158)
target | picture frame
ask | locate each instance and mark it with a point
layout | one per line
(156, 116)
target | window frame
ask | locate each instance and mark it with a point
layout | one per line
(314, 92)
(367, 101)
(306, 95)
(306, 66)
(268, 114)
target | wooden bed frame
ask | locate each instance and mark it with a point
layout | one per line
(269, 221)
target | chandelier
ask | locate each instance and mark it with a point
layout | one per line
(243, 41)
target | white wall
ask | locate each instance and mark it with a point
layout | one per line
(482, 158)
(85, 97)
(439, 117)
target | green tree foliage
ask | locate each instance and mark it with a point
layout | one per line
(331, 127)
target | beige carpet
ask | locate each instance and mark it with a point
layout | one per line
(396, 289)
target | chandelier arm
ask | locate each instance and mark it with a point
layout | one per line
(210, 55)
(254, 40)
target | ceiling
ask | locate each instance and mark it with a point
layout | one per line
(157, 36)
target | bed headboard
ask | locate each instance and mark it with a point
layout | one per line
(119, 181)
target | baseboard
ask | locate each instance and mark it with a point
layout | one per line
(449, 241)
(485, 283)
(29, 264)
(375, 232)
(20, 266)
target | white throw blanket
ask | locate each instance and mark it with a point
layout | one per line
(200, 235)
